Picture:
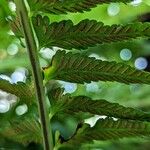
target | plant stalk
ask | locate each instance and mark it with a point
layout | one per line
(36, 71)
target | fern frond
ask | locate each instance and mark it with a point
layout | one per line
(64, 6)
(108, 129)
(101, 107)
(23, 132)
(19, 89)
(80, 68)
(85, 34)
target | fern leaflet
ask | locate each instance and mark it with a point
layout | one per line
(108, 129)
(64, 6)
(72, 105)
(19, 89)
(24, 132)
(80, 68)
(85, 34)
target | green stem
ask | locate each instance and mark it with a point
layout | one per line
(37, 74)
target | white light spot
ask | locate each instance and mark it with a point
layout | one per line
(10, 32)
(69, 87)
(115, 119)
(4, 106)
(92, 121)
(95, 56)
(92, 87)
(113, 9)
(18, 77)
(12, 49)
(125, 54)
(4, 77)
(141, 63)
(12, 99)
(57, 48)
(136, 2)
(22, 109)
(8, 18)
(22, 70)
(47, 53)
(12, 6)
(3, 94)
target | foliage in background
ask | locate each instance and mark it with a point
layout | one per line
(66, 113)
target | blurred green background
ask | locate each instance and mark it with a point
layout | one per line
(14, 66)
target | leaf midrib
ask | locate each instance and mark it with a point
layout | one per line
(70, 71)
(84, 35)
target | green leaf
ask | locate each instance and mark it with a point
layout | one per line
(108, 129)
(80, 69)
(19, 89)
(23, 131)
(101, 107)
(85, 34)
(64, 6)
